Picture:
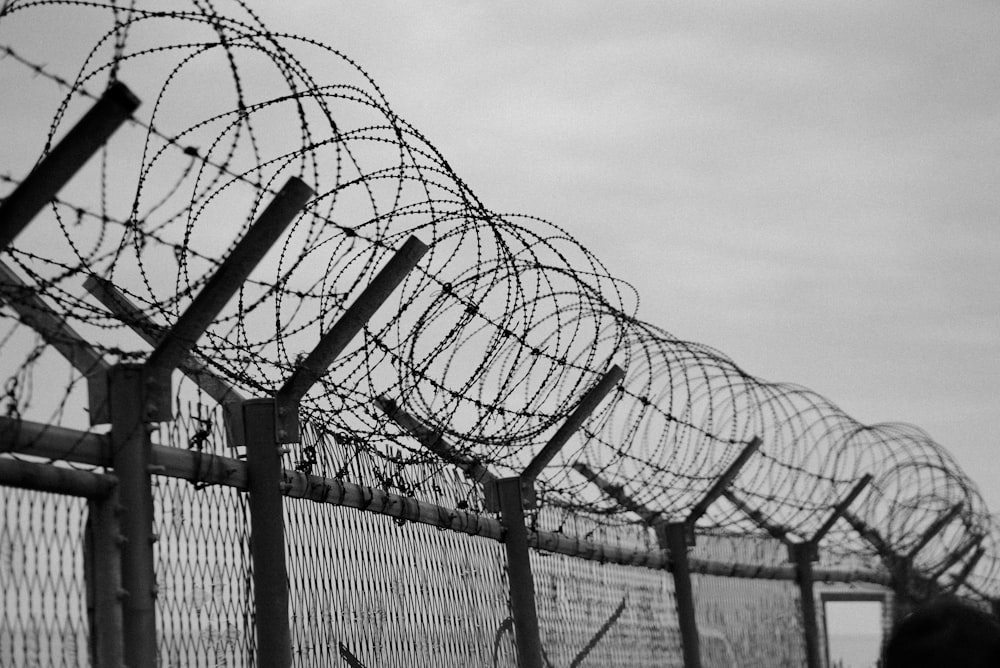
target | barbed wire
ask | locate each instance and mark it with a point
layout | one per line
(489, 343)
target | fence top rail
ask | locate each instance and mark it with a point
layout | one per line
(31, 438)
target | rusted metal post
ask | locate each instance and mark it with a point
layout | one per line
(65, 159)
(520, 580)
(130, 456)
(267, 535)
(675, 538)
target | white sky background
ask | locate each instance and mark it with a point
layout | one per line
(811, 188)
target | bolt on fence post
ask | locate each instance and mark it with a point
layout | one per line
(102, 570)
(520, 580)
(131, 458)
(267, 535)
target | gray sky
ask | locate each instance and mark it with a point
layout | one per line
(808, 187)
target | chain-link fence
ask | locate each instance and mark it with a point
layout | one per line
(279, 389)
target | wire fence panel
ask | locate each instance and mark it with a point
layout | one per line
(749, 623)
(386, 594)
(203, 575)
(43, 597)
(594, 614)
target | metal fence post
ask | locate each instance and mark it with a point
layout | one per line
(102, 570)
(130, 456)
(675, 537)
(522, 583)
(267, 535)
(802, 555)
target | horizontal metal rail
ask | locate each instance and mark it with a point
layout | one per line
(60, 443)
(54, 479)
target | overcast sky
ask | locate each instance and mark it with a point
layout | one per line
(811, 188)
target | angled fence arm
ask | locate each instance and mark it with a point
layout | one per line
(935, 528)
(128, 313)
(966, 571)
(898, 567)
(227, 396)
(309, 371)
(723, 482)
(841, 508)
(774, 530)
(34, 312)
(872, 537)
(956, 557)
(587, 405)
(227, 279)
(618, 494)
(84, 139)
(435, 442)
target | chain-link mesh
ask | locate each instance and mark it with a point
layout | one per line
(43, 596)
